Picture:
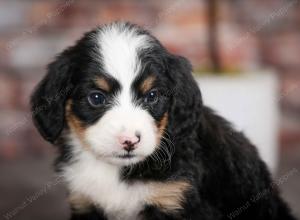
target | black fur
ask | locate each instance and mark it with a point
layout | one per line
(220, 163)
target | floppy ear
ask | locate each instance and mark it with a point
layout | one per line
(48, 99)
(186, 104)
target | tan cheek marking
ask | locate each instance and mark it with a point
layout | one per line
(74, 123)
(169, 196)
(79, 203)
(103, 84)
(161, 125)
(147, 84)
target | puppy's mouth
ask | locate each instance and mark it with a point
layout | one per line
(126, 156)
(125, 159)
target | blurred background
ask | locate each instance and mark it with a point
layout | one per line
(246, 59)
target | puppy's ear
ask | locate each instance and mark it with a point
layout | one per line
(48, 99)
(186, 97)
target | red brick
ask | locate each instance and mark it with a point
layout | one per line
(290, 92)
(9, 92)
(282, 49)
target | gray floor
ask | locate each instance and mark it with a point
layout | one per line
(29, 189)
(289, 173)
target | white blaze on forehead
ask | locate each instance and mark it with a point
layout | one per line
(119, 45)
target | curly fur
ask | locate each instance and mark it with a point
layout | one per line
(202, 169)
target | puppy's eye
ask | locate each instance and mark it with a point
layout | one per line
(151, 97)
(96, 98)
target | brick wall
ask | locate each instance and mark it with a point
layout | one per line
(253, 34)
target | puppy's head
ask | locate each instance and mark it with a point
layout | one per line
(112, 94)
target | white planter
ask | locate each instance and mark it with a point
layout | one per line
(250, 102)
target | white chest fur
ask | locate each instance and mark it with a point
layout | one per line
(99, 182)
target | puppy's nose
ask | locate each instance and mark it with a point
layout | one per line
(129, 141)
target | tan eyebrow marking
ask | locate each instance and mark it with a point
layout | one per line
(147, 84)
(103, 84)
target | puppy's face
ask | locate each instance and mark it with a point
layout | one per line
(121, 121)
(112, 94)
(119, 107)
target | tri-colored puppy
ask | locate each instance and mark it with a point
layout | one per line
(135, 140)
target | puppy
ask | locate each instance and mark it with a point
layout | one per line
(135, 140)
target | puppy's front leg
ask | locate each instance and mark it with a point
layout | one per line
(153, 213)
(166, 200)
(91, 215)
(87, 217)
